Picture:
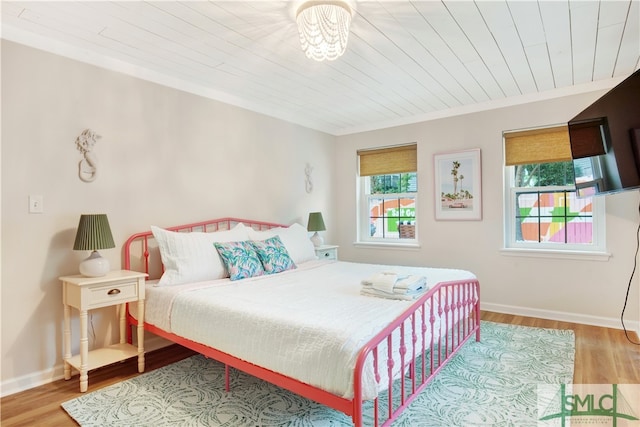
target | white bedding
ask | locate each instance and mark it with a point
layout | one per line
(308, 323)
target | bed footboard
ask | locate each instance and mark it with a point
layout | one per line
(422, 340)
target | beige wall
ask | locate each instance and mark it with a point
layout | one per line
(572, 289)
(168, 157)
(165, 158)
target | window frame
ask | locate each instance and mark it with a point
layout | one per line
(364, 196)
(597, 247)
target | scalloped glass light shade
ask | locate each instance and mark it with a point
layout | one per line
(324, 29)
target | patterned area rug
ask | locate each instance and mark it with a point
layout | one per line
(488, 383)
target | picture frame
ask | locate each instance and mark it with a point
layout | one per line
(458, 185)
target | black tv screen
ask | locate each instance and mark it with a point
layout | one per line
(604, 141)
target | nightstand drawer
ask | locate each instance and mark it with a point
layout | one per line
(328, 252)
(115, 293)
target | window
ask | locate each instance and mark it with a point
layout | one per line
(542, 208)
(388, 190)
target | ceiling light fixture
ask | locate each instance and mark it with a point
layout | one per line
(324, 28)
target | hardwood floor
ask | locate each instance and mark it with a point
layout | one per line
(40, 406)
(603, 356)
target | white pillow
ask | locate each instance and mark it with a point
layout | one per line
(295, 238)
(191, 257)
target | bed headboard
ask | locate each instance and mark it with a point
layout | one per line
(141, 251)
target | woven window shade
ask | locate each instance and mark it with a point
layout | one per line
(389, 160)
(537, 146)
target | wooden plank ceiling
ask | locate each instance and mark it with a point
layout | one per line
(406, 61)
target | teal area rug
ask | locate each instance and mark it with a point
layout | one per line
(488, 383)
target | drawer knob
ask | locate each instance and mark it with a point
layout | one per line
(113, 292)
(327, 254)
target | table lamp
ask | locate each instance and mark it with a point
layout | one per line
(94, 233)
(316, 223)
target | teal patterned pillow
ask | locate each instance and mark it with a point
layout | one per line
(240, 259)
(274, 255)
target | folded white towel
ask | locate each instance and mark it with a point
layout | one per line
(375, 276)
(407, 296)
(384, 282)
(393, 286)
(411, 283)
(401, 284)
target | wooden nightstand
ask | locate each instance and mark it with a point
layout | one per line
(86, 293)
(327, 252)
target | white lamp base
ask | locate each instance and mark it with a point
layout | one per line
(317, 239)
(94, 266)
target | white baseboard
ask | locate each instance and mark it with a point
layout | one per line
(25, 382)
(585, 319)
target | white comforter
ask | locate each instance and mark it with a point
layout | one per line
(309, 323)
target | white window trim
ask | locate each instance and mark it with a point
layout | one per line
(595, 251)
(557, 254)
(388, 244)
(363, 237)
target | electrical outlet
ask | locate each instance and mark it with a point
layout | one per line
(36, 204)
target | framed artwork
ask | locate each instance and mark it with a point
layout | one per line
(458, 186)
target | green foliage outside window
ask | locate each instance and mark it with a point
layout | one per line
(544, 174)
(395, 183)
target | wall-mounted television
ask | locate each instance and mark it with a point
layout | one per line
(605, 141)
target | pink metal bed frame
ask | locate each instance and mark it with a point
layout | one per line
(455, 303)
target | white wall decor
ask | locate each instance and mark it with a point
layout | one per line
(307, 181)
(88, 167)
